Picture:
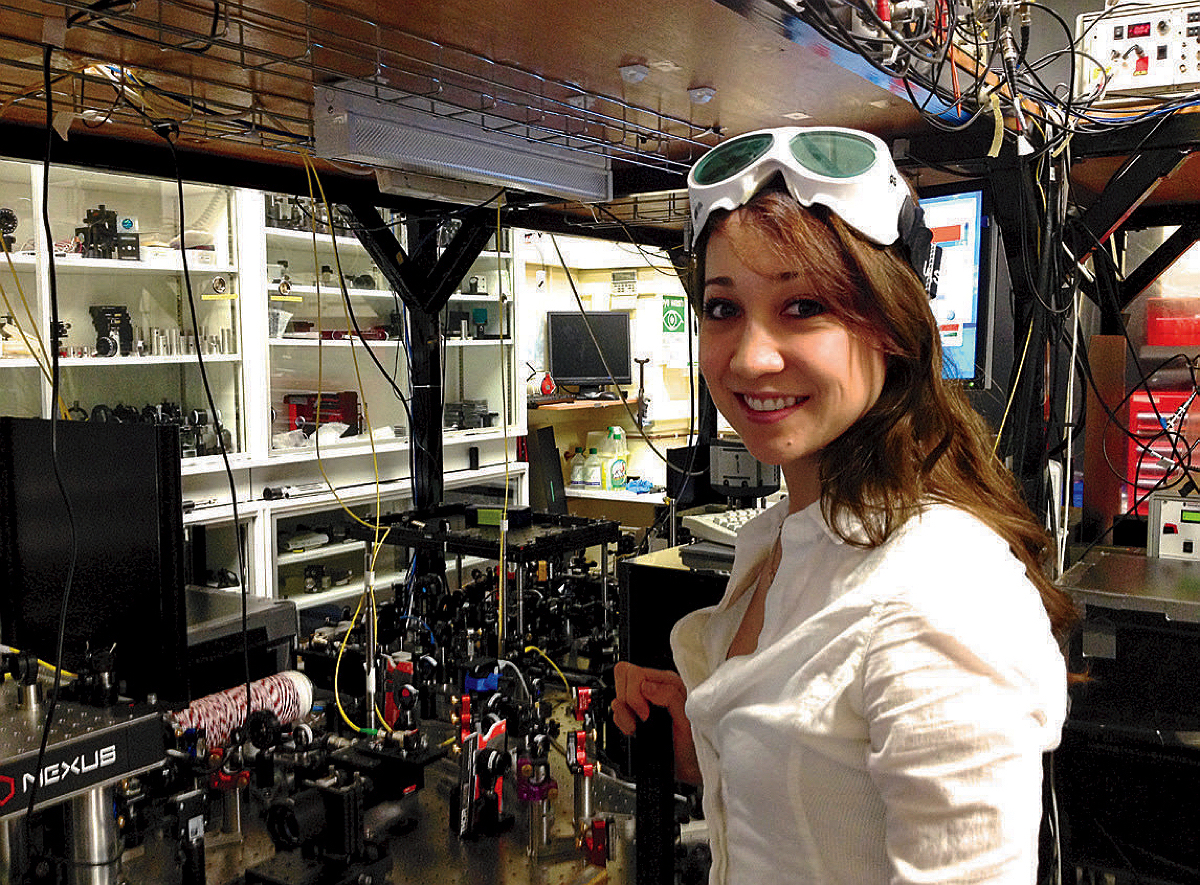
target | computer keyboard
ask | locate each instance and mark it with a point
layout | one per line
(721, 527)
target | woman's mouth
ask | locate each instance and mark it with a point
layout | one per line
(770, 403)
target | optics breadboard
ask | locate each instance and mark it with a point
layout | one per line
(1146, 51)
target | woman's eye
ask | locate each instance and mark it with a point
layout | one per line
(718, 309)
(806, 307)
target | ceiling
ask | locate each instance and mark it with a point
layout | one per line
(238, 75)
(237, 79)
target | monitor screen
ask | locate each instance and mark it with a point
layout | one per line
(959, 218)
(127, 585)
(572, 355)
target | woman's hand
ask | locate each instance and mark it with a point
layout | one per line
(639, 688)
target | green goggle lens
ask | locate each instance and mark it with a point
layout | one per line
(833, 154)
(731, 158)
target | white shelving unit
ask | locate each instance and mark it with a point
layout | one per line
(230, 248)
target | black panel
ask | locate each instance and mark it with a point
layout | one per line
(547, 492)
(656, 591)
(122, 483)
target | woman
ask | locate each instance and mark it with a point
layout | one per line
(870, 701)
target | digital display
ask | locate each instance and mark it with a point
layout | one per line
(956, 222)
(1141, 29)
(1189, 516)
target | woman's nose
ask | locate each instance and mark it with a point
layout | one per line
(757, 352)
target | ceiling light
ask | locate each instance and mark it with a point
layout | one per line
(666, 66)
(701, 94)
(798, 115)
(367, 123)
(433, 187)
(634, 73)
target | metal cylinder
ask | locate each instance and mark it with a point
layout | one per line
(545, 812)
(583, 803)
(95, 847)
(231, 812)
(30, 697)
(541, 825)
(6, 852)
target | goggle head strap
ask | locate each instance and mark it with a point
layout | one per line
(917, 239)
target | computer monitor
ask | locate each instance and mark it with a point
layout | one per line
(959, 215)
(572, 355)
(127, 588)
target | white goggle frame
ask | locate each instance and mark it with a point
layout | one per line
(867, 193)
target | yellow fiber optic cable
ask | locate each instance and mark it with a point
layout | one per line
(552, 664)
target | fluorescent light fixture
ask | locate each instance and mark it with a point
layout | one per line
(396, 131)
(433, 187)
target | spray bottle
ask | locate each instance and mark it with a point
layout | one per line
(616, 460)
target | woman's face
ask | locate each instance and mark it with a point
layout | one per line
(784, 371)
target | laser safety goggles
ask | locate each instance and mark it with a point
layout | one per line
(849, 172)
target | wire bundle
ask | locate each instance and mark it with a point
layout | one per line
(288, 695)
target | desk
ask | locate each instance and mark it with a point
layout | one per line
(627, 508)
(576, 405)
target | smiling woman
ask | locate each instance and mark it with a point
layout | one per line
(785, 370)
(871, 699)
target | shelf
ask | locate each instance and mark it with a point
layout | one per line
(579, 404)
(352, 446)
(287, 341)
(305, 237)
(492, 255)
(109, 362)
(219, 513)
(68, 265)
(489, 297)
(18, 362)
(384, 581)
(209, 463)
(472, 342)
(335, 291)
(24, 261)
(618, 495)
(338, 594)
(475, 433)
(359, 493)
(325, 551)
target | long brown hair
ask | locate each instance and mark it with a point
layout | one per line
(921, 442)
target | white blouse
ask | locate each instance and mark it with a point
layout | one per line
(890, 725)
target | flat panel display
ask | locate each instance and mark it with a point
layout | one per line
(959, 218)
(572, 354)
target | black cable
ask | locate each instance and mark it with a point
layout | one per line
(196, 46)
(166, 132)
(55, 375)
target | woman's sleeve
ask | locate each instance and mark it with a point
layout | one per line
(962, 697)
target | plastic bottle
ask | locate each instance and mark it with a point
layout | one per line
(616, 460)
(577, 468)
(593, 470)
